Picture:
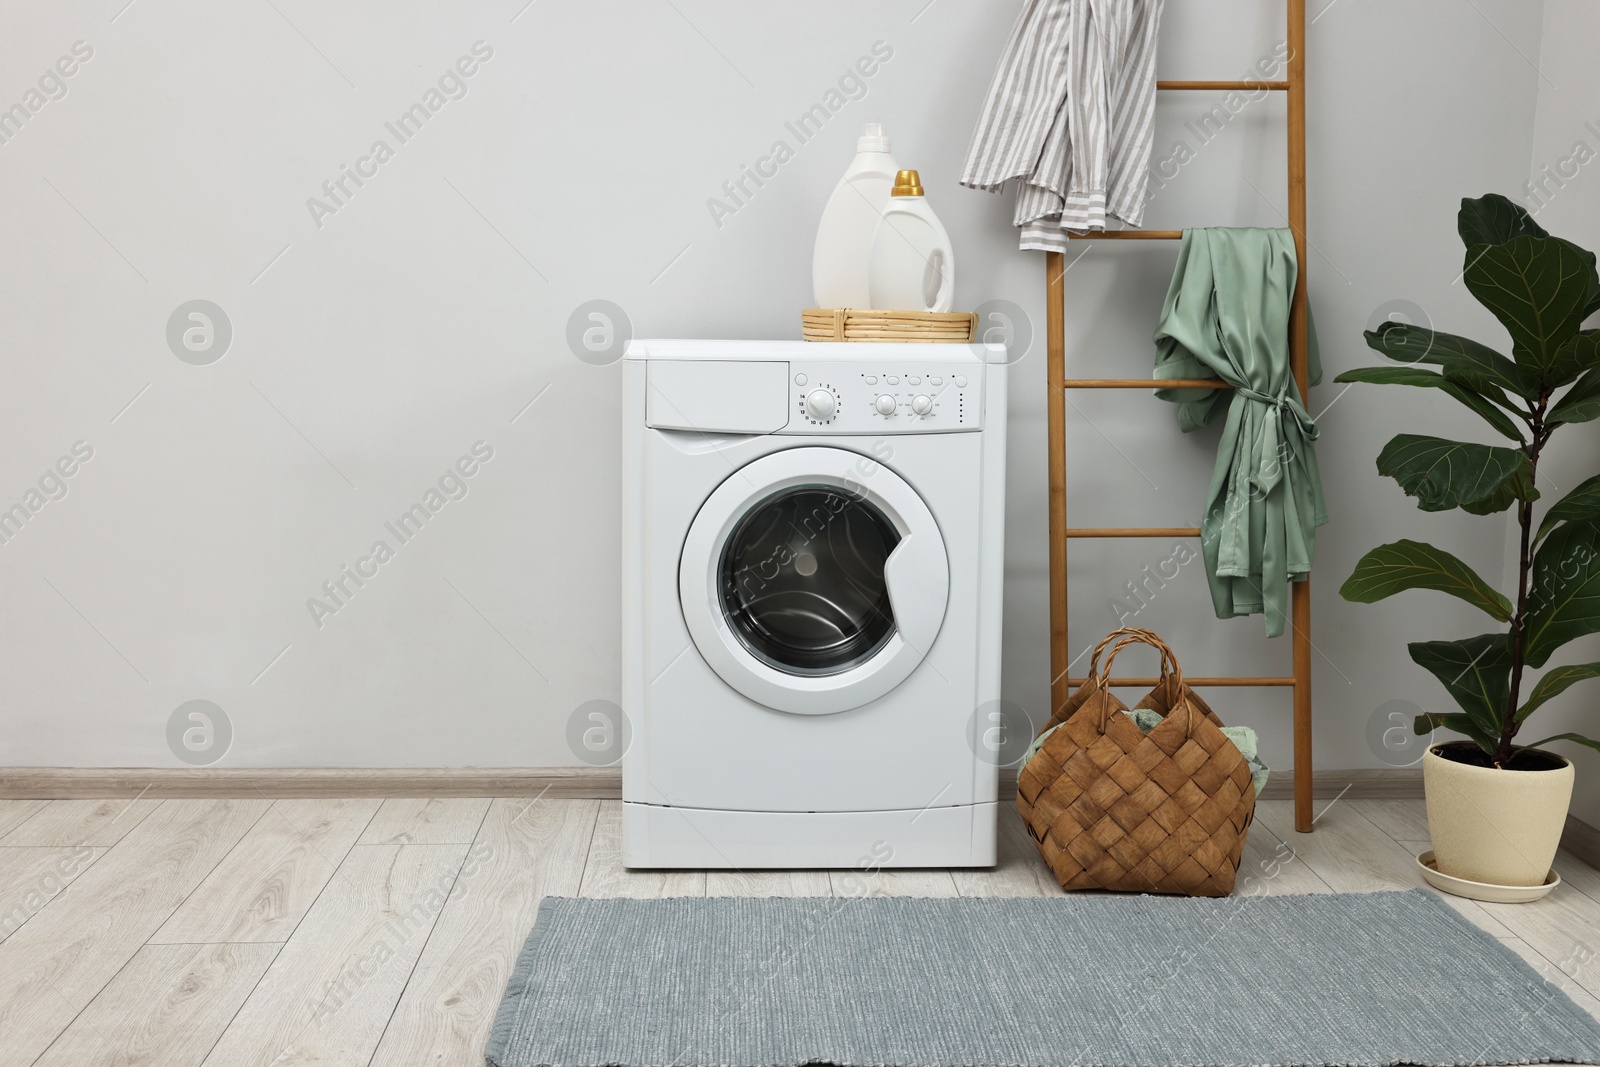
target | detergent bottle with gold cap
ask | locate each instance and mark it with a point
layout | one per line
(912, 266)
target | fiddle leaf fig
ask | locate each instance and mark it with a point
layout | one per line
(1564, 599)
(1539, 288)
(1558, 681)
(1583, 503)
(1494, 220)
(1461, 359)
(1477, 673)
(1582, 402)
(1428, 722)
(1444, 474)
(1427, 379)
(1580, 354)
(1391, 569)
(1579, 738)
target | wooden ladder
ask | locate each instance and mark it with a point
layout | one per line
(1299, 348)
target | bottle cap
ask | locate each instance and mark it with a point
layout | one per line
(906, 183)
(873, 139)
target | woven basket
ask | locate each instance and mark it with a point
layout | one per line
(850, 324)
(1112, 807)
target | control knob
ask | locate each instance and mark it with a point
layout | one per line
(922, 404)
(885, 404)
(821, 404)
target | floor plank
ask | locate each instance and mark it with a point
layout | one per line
(1272, 867)
(15, 812)
(81, 822)
(526, 850)
(1019, 871)
(426, 821)
(894, 882)
(329, 993)
(1403, 820)
(1577, 875)
(61, 959)
(768, 884)
(397, 954)
(1564, 928)
(605, 876)
(264, 887)
(30, 878)
(1561, 979)
(166, 1008)
(1353, 856)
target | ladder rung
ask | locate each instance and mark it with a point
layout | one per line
(1126, 531)
(1236, 683)
(1246, 86)
(1145, 383)
(1128, 235)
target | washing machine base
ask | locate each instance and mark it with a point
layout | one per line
(655, 836)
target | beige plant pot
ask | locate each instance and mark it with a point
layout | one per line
(1492, 826)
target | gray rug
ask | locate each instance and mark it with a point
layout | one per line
(1376, 979)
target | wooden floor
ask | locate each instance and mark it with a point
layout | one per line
(249, 932)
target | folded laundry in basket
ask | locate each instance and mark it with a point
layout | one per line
(1243, 738)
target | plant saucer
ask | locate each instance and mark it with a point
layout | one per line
(1494, 894)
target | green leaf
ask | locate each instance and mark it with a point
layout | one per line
(1539, 288)
(1391, 569)
(1583, 503)
(1580, 354)
(1463, 359)
(1428, 379)
(1426, 723)
(1476, 671)
(1564, 601)
(1558, 681)
(1494, 220)
(1579, 738)
(1581, 404)
(1441, 474)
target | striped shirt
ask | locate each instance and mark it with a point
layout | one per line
(1070, 114)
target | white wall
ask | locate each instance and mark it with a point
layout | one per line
(373, 350)
(1569, 116)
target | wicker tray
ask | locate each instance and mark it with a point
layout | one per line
(850, 324)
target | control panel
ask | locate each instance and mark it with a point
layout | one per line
(875, 397)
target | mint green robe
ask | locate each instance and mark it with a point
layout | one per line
(1227, 316)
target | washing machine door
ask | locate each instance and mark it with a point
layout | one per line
(814, 580)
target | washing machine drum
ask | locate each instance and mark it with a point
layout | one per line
(814, 580)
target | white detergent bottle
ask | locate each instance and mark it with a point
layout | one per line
(912, 266)
(844, 237)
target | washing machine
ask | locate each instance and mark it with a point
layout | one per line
(812, 549)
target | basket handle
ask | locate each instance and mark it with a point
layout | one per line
(1170, 668)
(1122, 635)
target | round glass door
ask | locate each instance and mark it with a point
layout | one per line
(813, 580)
(802, 580)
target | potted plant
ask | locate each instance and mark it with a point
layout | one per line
(1496, 807)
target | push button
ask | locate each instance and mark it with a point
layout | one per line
(893, 379)
(800, 379)
(935, 381)
(871, 379)
(960, 380)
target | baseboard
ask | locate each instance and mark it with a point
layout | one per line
(571, 783)
(1582, 840)
(1368, 784)
(602, 783)
(67, 783)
